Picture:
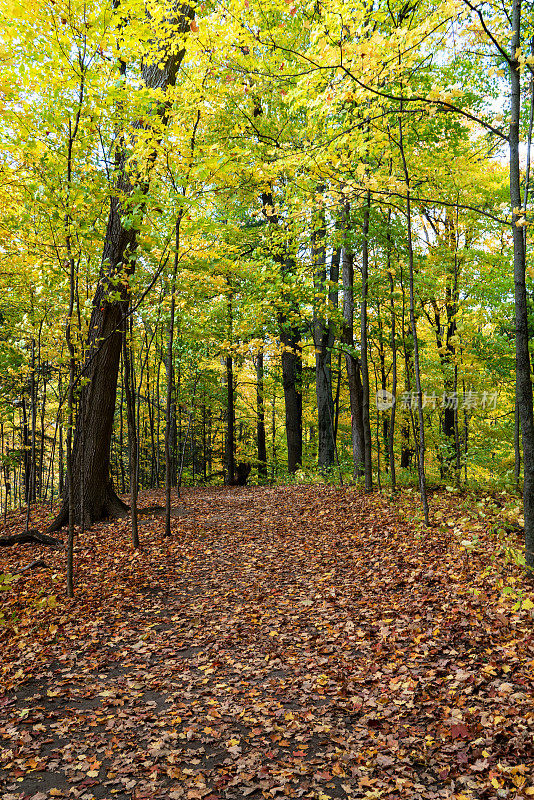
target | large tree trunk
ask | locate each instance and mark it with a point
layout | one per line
(93, 495)
(290, 336)
(91, 482)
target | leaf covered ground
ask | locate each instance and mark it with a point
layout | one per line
(284, 642)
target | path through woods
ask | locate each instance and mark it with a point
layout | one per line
(285, 642)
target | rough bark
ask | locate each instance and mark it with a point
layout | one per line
(29, 537)
(290, 336)
(93, 495)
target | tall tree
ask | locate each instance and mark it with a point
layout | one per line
(352, 361)
(92, 488)
(523, 367)
(323, 338)
(290, 340)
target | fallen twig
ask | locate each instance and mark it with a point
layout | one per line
(38, 564)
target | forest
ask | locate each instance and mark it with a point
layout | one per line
(266, 407)
(264, 241)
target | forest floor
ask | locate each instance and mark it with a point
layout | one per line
(284, 642)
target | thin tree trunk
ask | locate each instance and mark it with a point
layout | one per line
(260, 417)
(273, 436)
(33, 394)
(129, 384)
(26, 446)
(30, 496)
(391, 432)
(59, 423)
(421, 459)
(170, 381)
(292, 382)
(230, 406)
(337, 396)
(368, 464)
(158, 423)
(352, 361)
(517, 446)
(70, 402)
(323, 340)
(524, 383)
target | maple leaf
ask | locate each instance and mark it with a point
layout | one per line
(459, 731)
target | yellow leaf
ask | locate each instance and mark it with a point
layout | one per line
(528, 604)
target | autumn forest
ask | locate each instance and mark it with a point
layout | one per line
(267, 310)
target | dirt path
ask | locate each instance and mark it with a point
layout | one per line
(295, 642)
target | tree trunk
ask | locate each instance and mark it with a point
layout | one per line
(391, 431)
(26, 447)
(30, 496)
(517, 447)
(419, 393)
(92, 488)
(260, 424)
(523, 377)
(352, 361)
(230, 400)
(170, 382)
(129, 385)
(290, 336)
(368, 463)
(292, 383)
(323, 339)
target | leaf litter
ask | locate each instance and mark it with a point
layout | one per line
(283, 642)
